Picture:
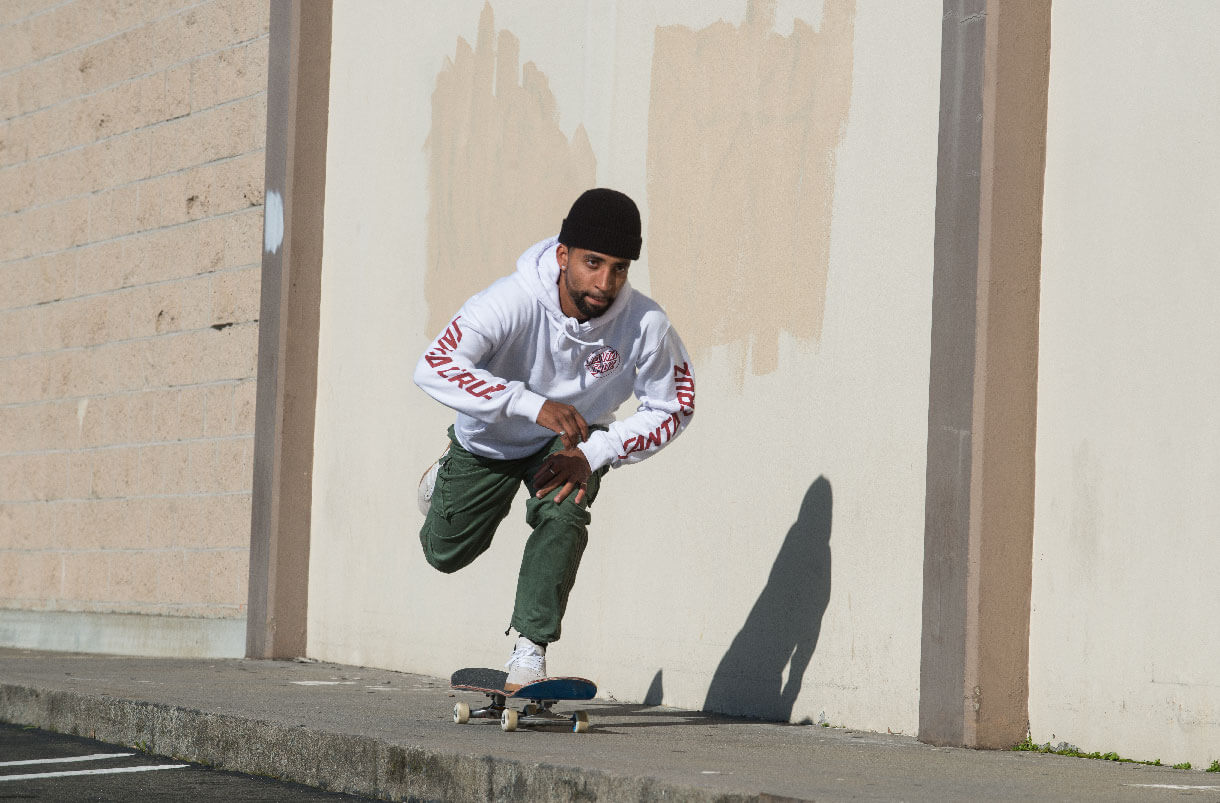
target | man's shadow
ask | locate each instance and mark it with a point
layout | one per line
(782, 628)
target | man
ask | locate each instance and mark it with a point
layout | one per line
(535, 367)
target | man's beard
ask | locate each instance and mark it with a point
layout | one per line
(588, 311)
(580, 300)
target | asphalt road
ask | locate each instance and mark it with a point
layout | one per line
(37, 765)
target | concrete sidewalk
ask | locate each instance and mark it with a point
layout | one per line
(391, 735)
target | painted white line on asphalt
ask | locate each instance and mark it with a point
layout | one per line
(93, 757)
(1174, 786)
(36, 775)
(323, 682)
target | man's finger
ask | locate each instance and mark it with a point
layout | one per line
(546, 489)
(575, 431)
(563, 492)
(545, 474)
(548, 478)
(578, 430)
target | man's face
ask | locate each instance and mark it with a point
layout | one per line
(588, 281)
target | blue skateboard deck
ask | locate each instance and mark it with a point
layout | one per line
(541, 696)
(491, 681)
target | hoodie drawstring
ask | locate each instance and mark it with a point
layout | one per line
(576, 339)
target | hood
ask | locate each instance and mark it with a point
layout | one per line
(539, 270)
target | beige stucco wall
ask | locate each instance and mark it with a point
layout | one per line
(131, 162)
(1124, 647)
(786, 172)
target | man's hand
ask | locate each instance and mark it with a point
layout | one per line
(565, 420)
(567, 470)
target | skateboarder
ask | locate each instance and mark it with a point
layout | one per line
(535, 366)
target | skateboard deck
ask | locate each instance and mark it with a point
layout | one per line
(540, 698)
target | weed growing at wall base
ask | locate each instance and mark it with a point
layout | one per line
(1065, 749)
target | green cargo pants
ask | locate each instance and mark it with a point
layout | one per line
(473, 495)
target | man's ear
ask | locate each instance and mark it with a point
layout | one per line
(561, 256)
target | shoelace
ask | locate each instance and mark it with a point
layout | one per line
(526, 657)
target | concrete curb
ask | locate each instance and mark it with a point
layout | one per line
(336, 762)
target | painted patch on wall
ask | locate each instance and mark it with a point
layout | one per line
(502, 172)
(742, 133)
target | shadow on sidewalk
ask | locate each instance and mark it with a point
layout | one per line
(782, 629)
(643, 715)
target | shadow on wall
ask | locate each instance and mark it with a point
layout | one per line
(782, 628)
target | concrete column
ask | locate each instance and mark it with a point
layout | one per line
(298, 80)
(974, 674)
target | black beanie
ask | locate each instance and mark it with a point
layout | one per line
(606, 221)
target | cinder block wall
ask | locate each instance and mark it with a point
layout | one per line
(131, 191)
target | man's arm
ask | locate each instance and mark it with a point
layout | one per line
(447, 373)
(665, 386)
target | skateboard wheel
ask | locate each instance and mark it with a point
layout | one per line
(508, 720)
(580, 722)
(461, 713)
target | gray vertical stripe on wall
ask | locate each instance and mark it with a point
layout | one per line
(978, 536)
(298, 96)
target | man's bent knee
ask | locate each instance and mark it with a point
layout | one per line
(441, 555)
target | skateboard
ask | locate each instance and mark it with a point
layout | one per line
(539, 698)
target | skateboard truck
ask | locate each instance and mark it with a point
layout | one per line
(535, 712)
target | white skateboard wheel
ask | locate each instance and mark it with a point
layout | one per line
(461, 713)
(508, 720)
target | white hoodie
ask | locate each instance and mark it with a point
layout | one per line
(511, 348)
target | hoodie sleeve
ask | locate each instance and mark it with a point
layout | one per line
(665, 387)
(447, 372)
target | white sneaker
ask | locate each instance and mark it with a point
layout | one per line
(527, 665)
(427, 484)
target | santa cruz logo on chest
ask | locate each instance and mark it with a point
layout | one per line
(602, 362)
